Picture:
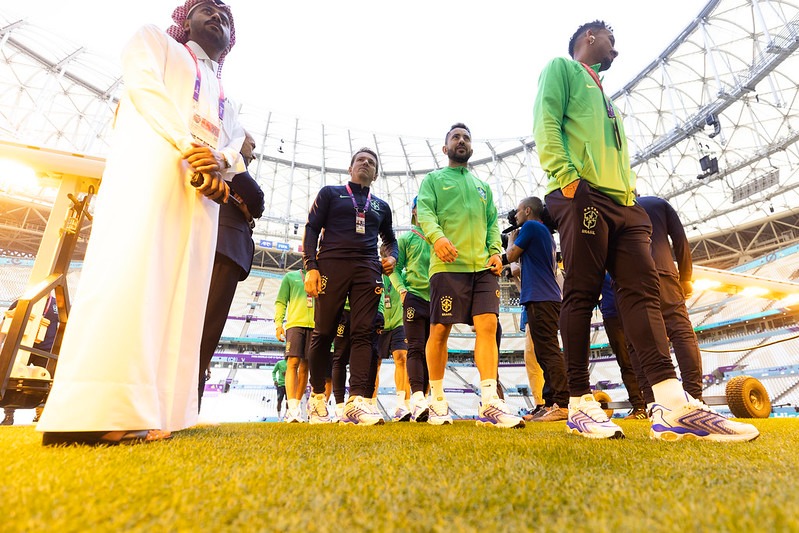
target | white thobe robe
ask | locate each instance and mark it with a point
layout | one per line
(130, 354)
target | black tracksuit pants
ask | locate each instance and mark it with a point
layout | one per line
(362, 281)
(683, 340)
(597, 234)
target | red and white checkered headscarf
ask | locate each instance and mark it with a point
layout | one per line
(180, 14)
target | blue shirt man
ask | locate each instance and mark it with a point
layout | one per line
(534, 247)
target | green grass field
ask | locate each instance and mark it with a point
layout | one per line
(403, 477)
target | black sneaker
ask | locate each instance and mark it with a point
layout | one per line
(530, 414)
(637, 414)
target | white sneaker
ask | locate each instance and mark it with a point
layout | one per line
(401, 414)
(294, 416)
(589, 420)
(439, 413)
(696, 421)
(361, 412)
(341, 416)
(420, 410)
(496, 413)
(317, 410)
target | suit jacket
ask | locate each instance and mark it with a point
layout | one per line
(666, 224)
(234, 239)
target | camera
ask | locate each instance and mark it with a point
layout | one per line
(512, 220)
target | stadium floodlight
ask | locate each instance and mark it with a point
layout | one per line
(17, 177)
(706, 284)
(706, 278)
(53, 165)
(789, 301)
(754, 291)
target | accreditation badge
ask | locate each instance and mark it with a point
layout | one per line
(360, 222)
(204, 130)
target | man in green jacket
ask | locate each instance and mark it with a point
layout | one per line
(591, 195)
(458, 217)
(297, 308)
(411, 278)
(392, 341)
(279, 378)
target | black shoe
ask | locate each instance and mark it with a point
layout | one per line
(103, 438)
(637, 414)
(535, 413)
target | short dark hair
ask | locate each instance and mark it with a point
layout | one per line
(457, 125)
(595, 25)
(535, 204)
(368, 151)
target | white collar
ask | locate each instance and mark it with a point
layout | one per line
(201, 55)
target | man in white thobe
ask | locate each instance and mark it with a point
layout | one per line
(128, 366)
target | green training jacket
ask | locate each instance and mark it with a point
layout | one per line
(279, 373)
(453, 203)
(574, 136)
(392, 314)
(292, 297)
(412, 271)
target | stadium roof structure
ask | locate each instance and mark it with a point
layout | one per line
(712, 125)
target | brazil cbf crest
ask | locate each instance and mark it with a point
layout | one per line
(590, 217)
(375, 205)
(446, 304)
(324, 285)
(482, 192)
(410, 313)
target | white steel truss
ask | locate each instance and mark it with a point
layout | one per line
(712, 124)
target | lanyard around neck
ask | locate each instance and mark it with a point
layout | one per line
(198, 83)
(594, 76)
(418, 233)
(355, 204)
(608, 106)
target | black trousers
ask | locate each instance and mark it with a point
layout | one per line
(416, 319)
(224, 278)
(542, 323)
(618, 343)
(683, 340)
(597, 234)
(362, 281)
(341, 357)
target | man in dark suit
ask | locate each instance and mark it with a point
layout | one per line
(234, 253)
(675, 288)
